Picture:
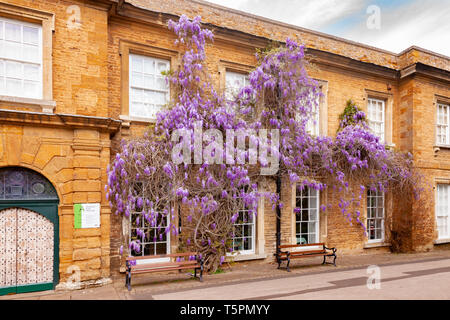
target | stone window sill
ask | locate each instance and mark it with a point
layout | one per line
(41, 105)
(128, 119)
(441, 241)
(376, 245)
(245, 257)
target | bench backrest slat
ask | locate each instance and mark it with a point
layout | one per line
(164, 264)
(159, 256)
(300, 245)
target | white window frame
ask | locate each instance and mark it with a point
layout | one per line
(443, 124)
(371, 104)
(442, 210)
(299, 196)
(154, 109)
(378, 196)
(38, 61)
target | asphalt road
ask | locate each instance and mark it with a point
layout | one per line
(412, 280)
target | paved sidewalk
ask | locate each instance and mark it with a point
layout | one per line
(167, 286)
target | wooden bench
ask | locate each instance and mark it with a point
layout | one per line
(285, 253)
(177, 261)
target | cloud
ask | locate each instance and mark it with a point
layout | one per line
(425, 23)
(305, 13)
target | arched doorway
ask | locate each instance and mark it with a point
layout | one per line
(29, 232)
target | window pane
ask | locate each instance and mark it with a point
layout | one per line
(30, 35)
(12, 50)
(160, 83)
(31, 53)
(149, 66)
(149, 81)
(31, 89)
(31, 72)
(136, 79)
(13, 87)
(12, 32)
(136, 63)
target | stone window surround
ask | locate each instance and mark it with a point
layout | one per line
(438, 99)
(437, 181)
(388, 99)
(47, 21)
(125, 48)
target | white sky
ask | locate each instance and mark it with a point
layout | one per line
(403, 23)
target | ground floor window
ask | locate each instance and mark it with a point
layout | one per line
(306, 215)
(243, 240)
(156, 241)
(442, 211)
(375, 215)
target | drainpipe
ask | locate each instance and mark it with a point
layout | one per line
(278, 212)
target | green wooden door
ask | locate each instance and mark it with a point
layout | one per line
(31, 237)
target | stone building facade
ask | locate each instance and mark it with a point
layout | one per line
(69, 82)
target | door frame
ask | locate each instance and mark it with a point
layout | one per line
(48, 209)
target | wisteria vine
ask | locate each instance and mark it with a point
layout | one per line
(145, 185)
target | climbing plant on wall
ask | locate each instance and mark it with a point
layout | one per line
(148, 181)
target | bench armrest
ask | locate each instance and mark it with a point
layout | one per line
(333, 249)
(199, 258)
(277, 253)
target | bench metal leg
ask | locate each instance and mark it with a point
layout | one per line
(287, 266)
(201, 273)
(334, 260)
(128, 281)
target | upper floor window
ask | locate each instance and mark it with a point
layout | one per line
(307, 216)
(234, 82)
(313, 124)
(20, 59)
(376, 117)
(442, 124)
(375, 216)
(149, 91)
(442, 211)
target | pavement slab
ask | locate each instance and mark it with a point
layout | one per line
(261, 279)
